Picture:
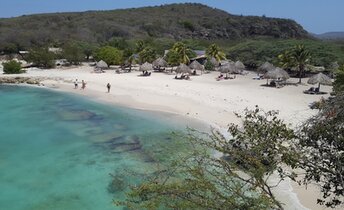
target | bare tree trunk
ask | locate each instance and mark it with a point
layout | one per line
(301, 67)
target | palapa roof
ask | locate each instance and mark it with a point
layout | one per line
(320, 79)
(182, 68)
(214, 62)
(196, 65)
(277, 73)
(228, 68)
(146, 67)
(101, 64)
(266, 67)
(239, 65)
(160, 62)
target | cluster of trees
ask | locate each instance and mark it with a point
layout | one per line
(253, 53)
(264, 145)
(297, 57)
(293, 55)
(118, 52)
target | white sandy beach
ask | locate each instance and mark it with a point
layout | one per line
(202, 98)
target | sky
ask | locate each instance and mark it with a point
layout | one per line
(316, 16)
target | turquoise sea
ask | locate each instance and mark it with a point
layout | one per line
(61, 151)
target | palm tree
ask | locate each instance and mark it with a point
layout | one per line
(298, 57)
(214, 51)
(301, 57)
(131, 59)
(285, 60)
(148, 54)
(139, 46)
(182, 51)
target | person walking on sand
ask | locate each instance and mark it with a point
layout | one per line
(108, 87)
(83, 85)
(76, 84)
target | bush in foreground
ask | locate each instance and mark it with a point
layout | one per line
(238, 180)
(12, 67)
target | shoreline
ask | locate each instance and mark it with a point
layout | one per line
(207, 104)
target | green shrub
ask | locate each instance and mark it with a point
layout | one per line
(338, 84)
(209, 66)
(73, 53)
(12, 67)
(187, 25)
(111, 55)
(42, 57)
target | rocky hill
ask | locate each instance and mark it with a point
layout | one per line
(177, 21)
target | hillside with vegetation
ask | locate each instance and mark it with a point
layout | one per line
(331, 36)
(174, 21)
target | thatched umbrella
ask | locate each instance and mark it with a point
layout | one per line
(239, 65)
(101, 65)
(196, 65)
(214, 62)
(265, 68)
(160, 62)
(182, 68)
(228, 68)
(146, 67)
(277, 73)
(320, 79)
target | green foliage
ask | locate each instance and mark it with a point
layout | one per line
(255, 52)
(110, 55)
(187, 25)
(119, 43)
(285, 60)
(322, 147)
(183, 51)
(297, 57)
(139, 46)
(338, 85)
(209, 65)
(41, 57)
(197, 44)
(88, 49)
(73, 53)
(214, 51)
(173, 58)
(10, 48)
(148, 54)
(128, 55)
(300, 57)
(12, 67)
(238, 180)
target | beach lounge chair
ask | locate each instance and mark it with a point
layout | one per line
(186, 77)
(98, 70)
(221, 77)
(313, 90)
(145, 74)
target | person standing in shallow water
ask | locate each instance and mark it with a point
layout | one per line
(83, 84)
(76, 84)
(108, 87)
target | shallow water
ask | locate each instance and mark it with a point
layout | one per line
(60, 151)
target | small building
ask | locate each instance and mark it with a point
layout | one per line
(55, 50)
(23, 52)
(61, 62)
